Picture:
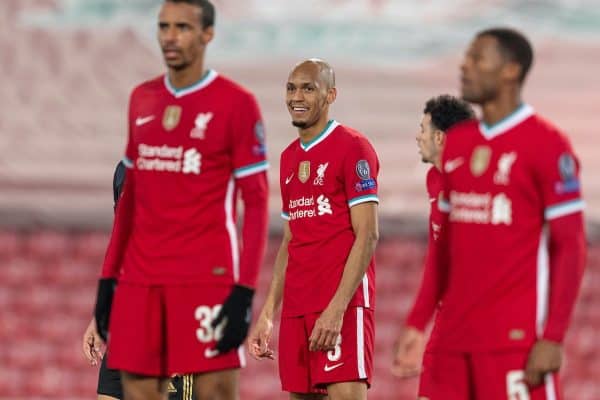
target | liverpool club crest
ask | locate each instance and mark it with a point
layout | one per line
(304, 171)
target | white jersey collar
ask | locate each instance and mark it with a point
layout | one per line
(522, 112)
(330, 127)
(206, 80)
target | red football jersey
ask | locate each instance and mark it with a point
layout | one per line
(426, 300)
(320, 181)
(186, 149)
(434, 188)
(502, 185)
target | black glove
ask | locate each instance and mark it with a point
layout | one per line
(104, 298)
(236, 312)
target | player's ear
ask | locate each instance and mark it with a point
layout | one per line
(331, 95)
(207, 35)
(511, 71)
(439, 137)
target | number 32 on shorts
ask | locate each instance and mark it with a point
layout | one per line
(205, 316)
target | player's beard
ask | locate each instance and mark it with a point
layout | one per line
(179, 66)
(483, 95)
(300, 124)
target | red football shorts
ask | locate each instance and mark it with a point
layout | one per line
(165, 330)
(488, 376)
(304, 371)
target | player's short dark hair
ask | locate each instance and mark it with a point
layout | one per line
(208, 10)
(446, 110)
(514, 45)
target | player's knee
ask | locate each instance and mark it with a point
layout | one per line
(347, 391)
(136, 393)
(215, 390)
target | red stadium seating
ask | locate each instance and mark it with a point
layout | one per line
(48, 288)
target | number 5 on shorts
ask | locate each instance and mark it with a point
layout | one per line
(205, 315)
(515, 386)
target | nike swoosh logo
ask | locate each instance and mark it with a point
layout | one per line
(289, 179)
(451, 165)
(139, 121)
(211, 353)
(431, 200)
(332, 367)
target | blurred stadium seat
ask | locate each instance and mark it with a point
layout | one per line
(43, 320)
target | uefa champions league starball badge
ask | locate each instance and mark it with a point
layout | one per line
(480, 160)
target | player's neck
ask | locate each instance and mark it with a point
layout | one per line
(308, 134)
(500, 108)
(186, 77)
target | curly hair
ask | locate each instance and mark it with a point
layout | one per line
(446, 110)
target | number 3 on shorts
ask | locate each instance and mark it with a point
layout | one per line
(336, 353)
(515, 386)
(205, 315)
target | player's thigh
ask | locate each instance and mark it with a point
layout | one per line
(136, 340)
(138, 387)
(109, 382)
(293, 356)
(445, 376)
(218, 385)
(347, 391)
(190, 337)
(501, 376)
(352, 358)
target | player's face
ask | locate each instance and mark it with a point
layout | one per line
(481, 70)
(307, 96)
(181, 36)
(429, 140)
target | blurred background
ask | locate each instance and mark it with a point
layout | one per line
(66, 70)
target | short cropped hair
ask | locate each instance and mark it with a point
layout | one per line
(208, 10)
(514, 46)
(446, 110)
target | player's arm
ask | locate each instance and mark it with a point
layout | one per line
(328, 326)
(567, 259)
(566, 253)
(92, 344)
(255, 195)
(122, 226)
(408, 352)
(238, 305)
(114, 255)
(258, 341)
(250, 166)
(430, 289)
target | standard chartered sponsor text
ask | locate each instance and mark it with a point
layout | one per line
(305, 208)
(157, 164)
(475, 200)
(163, 151)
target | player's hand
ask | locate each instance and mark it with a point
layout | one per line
(545, 356)
(259, 338)
(408, 353)
(327, 328)
(92, 344)
(104, 298)
(236, 314)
